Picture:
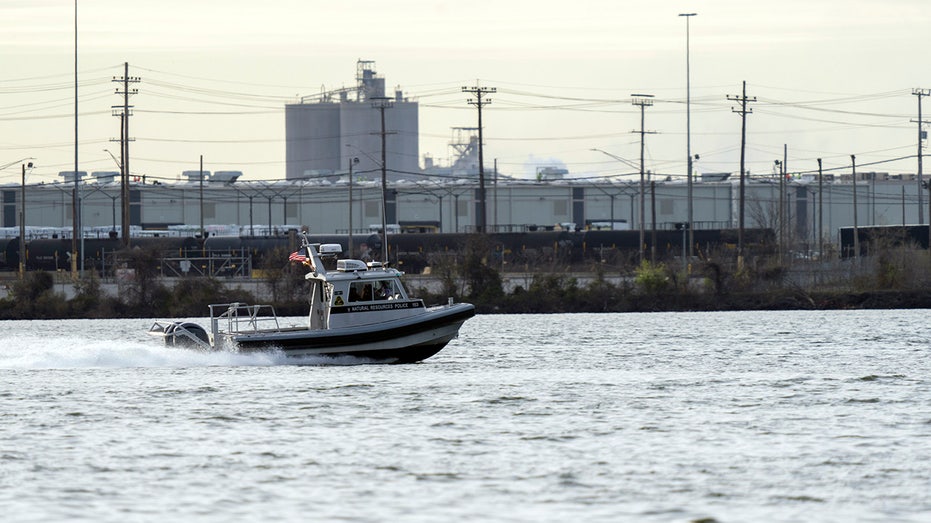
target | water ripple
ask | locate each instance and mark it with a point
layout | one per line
(699, 417)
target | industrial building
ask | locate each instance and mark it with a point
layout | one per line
(325, 132)
(226, 204)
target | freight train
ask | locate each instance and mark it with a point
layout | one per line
(410, 252)
(877, 238)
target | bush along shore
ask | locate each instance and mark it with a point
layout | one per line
(897, 278)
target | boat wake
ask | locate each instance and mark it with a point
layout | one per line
(33, 352)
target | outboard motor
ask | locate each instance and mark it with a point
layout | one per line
(186, 335)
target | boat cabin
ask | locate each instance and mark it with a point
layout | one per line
(355, 293)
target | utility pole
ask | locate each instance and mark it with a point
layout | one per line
(124, 238)
(856, 232)
(785, 201)
(22, 225)
(781, 214)
(743, 111)
(924, 185)
(653, 221)
(920, 93)
(643, 101)
(382, 103)
(352, 160)
(821, 210)
(927, 186)
(478, 102)
(22, 228)
(494, 184)
(123, 112)
(201, 178)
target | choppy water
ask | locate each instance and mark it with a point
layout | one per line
(771, 416)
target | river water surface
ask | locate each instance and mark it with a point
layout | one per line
(727, 417)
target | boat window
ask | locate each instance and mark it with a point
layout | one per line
(386, 290)
(360, 291)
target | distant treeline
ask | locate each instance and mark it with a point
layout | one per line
(895, 277)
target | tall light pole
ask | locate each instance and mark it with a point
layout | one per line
(642, 100)
(688, 124)
(76, 196)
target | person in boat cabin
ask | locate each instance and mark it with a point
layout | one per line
(384, 290)
(360, 291)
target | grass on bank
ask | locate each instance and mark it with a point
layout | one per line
(897, 277)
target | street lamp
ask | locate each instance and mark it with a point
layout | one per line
(4, 166)
(616, 157)
(688, 123)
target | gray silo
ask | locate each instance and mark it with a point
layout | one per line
(325, 131)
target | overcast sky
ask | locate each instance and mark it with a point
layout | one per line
(831, 78)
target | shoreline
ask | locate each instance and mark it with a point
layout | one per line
(518, 293)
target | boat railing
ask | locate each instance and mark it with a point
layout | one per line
(242, 317)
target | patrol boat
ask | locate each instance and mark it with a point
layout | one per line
(357, 309)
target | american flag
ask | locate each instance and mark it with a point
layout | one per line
(298, 257)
